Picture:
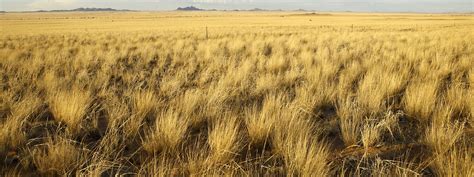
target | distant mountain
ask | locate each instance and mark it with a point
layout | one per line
(190, 8)
(264, 10)
(257, 9)
(310, 14)
(94, 9)
(82, 9)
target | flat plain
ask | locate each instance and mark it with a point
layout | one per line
(236, 94)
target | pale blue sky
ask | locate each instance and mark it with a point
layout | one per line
(319, 5)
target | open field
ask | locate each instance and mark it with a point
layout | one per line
(261, 93)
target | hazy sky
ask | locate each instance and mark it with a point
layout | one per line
(319, 5)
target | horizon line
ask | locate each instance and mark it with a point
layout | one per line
(255, 9)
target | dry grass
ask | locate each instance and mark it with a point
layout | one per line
(57, 157)
(267, 94)
(420, 99)
(301, 154)
(443, 133)
(457, 162)
(351, 119)
(143, 106)
(261, 123)
(70, 107)
(170, 130)
(225, 140)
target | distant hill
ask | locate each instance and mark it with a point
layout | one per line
(311, 14)
(262, 10)
(190, 8)
(82, 9)
(257, 9)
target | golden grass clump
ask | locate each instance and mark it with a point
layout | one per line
(451, 155)
(144, 104)
(193, 108)
(261, 123)
(457, 162)
(308, 158)
(443, 133)
(12, 133)
(170, 130)
(296, 141)
(370, 135)
(351, 121)
(70, 107)
(378, 86)
(225, 139)
(420, 99)
(457, 98)
(56, 157)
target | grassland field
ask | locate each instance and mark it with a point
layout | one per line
(236, 94)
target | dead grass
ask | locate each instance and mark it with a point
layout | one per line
(420, 99)
(170, 130)
(266, 94)
(225, 139)
(351, 121)
(58, 156)
(143, 106)
(70, 107)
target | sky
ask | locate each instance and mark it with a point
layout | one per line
(317, 5)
